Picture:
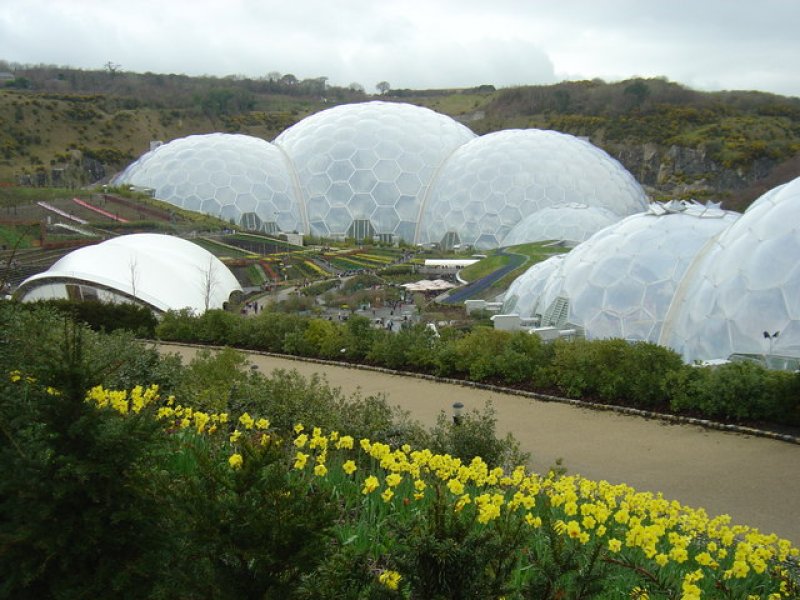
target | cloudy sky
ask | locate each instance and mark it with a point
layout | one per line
(705, 44)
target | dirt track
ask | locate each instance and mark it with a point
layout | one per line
(755, 480)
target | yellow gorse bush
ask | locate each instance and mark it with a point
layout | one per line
(633, 528)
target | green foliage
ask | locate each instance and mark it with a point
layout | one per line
(446, 554)
(475, 435)
(94, 503)
(107, 316)
(740, 391)
(210, 380)
(413, 347)
(79, 518)
(177, 326)
(360, 282)
(563, 568)
(613, 371)
(484, 267)
(317, 289)
(249, 533)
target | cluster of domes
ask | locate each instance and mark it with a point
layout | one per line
(708, 283)
(396, 172)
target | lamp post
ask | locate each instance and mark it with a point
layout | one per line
(771, 337)
(457, 408)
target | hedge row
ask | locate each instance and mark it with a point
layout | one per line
(640, 375)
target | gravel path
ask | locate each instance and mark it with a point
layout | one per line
(755, 480)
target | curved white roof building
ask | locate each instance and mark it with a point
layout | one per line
(369, 165)
(621, 281)
(570, 223)
(491, 184)
(235, 177)
(160, 271)
(744, 283)
(395, 172)
(522, 296)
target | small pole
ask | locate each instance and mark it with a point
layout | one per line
(457, 408)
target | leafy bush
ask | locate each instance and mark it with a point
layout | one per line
(153, 499)
(248, 532)
(613, 371)
(105, 316)
(740, 391)
(79, 514)
(474, 434)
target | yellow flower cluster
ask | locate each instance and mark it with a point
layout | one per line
(123, 401)
(391, 579)
(314, 267)
(16, 376)
(184, 417)
(650, 530)
(642, 529)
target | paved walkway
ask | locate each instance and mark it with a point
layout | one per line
(755, 480)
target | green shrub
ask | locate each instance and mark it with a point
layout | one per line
(80, 516)
(217, 327)
(246, 533)
(614, 371)
(445, 553)
(739, 391)
(106, 316)
(177, 326)
(475, 435)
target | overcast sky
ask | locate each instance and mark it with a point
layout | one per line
(704, 44)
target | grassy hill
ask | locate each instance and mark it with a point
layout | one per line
(72, 127)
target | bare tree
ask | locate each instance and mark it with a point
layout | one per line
(383, 87)
(112, 68)
(209, 282)
(134, 271)
(356, 87)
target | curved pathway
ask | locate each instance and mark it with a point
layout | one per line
(485, 282)
(755, 480)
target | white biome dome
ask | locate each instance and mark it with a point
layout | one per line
(363, 169)
(235, 177)
(522, 296)
(569, 223)
(493, 182)
(621, 281)
(744, 287)
(160, 271)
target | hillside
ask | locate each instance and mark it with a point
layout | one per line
(72, 127)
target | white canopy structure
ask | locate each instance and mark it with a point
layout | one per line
(426, 285)
(160, 271)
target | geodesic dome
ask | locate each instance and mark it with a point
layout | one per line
(365, 168)
(522, 296)
(493, 182)
(621, 281)
(160, 271)
(394, 171)
(235, 177)
(570, 223)
(744, 283)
